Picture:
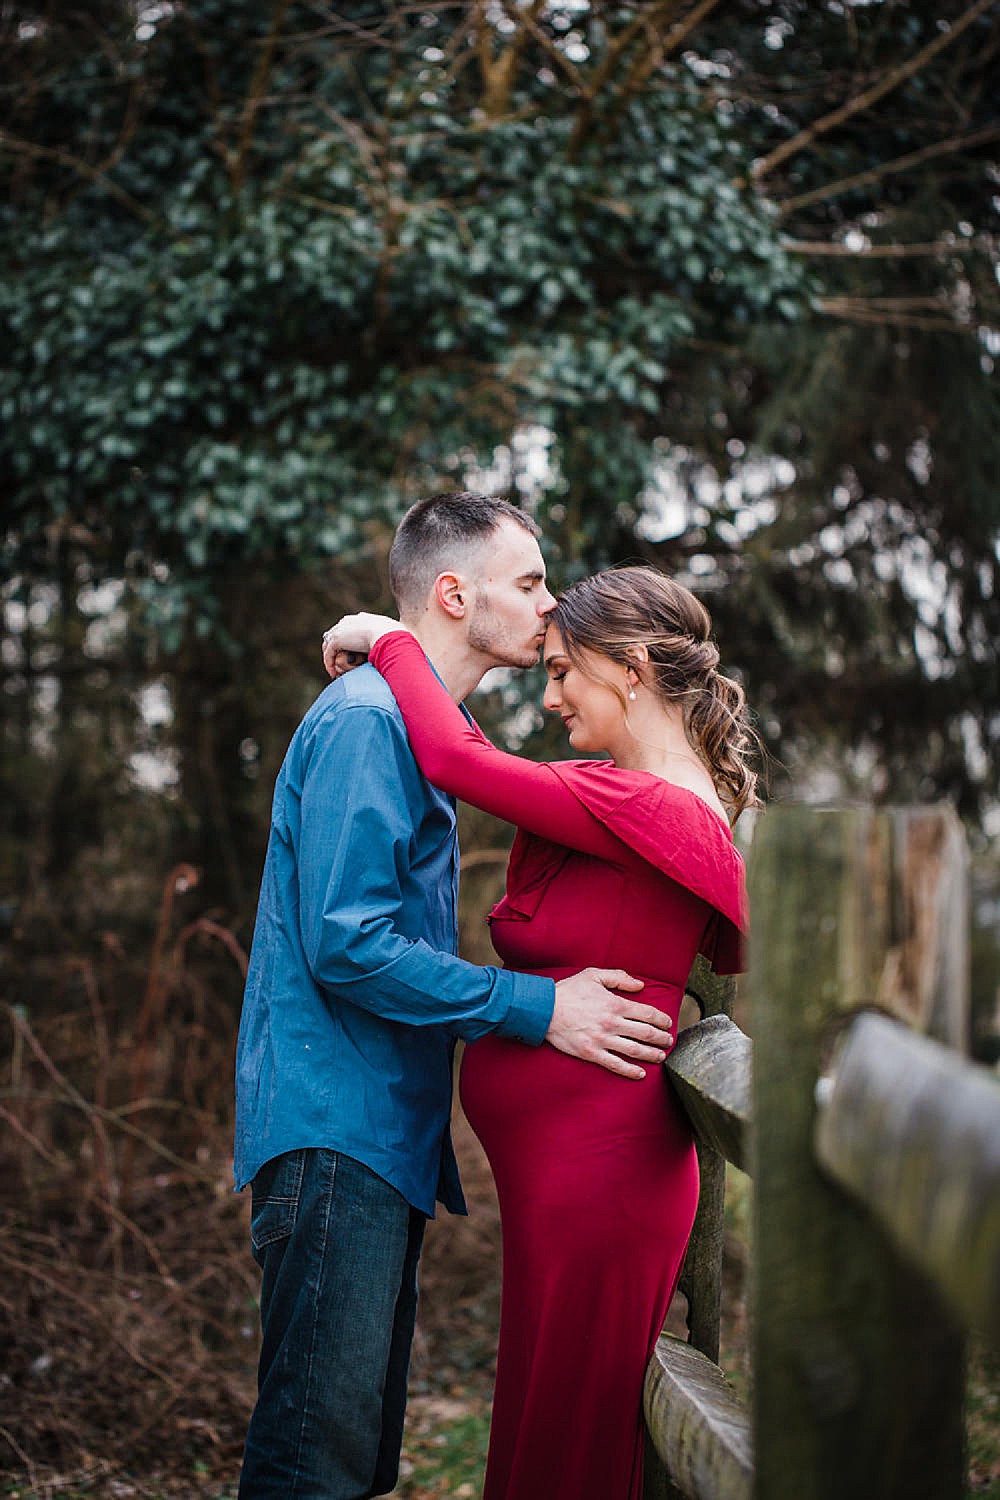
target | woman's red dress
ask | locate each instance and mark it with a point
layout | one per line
(596, 1174)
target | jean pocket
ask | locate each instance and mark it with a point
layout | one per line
(275, 1193)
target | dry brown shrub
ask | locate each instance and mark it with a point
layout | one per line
(127, 1298)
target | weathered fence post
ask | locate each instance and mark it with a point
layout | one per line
(923, 1160)
(857, 1364)
(701, 1277)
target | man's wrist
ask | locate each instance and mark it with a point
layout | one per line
(529, 1013)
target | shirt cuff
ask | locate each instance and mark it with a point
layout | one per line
(529, 1014)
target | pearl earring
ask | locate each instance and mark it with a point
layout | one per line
(631, 689)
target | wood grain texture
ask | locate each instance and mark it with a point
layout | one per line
(701, 1276)
(902, 920)
(912, 1131)
(857, 1366)
(710, 1068)
(702, 1432)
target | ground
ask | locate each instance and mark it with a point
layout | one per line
(130, 1339)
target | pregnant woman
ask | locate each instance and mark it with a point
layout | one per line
(626, 862)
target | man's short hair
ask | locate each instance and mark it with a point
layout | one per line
(437, 533)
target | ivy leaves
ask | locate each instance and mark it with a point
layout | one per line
(235, 374)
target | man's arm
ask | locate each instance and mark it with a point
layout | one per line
(356, 847)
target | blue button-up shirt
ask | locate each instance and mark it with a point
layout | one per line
(354, 995)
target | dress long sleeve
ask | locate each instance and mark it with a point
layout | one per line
(456, 756)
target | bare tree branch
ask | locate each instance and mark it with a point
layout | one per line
(894, 312)
(648, 17)
(940, 248)
(17, 147)
(258, 88)
(889, 81)
(558, 57)
(647, 23)
(498, 72)
(887, 168)
(675, 37)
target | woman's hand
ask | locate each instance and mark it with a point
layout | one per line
(347, 644)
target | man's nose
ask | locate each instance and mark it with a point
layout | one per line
(546, 601)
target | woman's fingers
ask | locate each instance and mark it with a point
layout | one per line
(339, 662)
(347, 643)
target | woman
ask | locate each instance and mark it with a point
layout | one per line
(625, 862)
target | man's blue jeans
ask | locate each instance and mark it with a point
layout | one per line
(338, 1249)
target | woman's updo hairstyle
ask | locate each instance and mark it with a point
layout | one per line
(615, 611)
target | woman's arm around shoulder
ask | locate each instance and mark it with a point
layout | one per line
(455, 755)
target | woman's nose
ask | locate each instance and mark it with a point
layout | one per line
(550, 698)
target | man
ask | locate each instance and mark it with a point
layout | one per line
(354, 998)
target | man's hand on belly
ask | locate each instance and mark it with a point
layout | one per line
(592, 1022)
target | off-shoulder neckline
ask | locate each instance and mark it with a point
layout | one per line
(651, 778)
(669, 826)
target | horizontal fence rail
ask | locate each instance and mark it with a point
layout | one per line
(710, 1068)
(700, 1430)
(912, 1131)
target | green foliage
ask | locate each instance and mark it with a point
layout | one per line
(223, 341)
(271, 271)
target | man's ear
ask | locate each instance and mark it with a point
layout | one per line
(450, 591)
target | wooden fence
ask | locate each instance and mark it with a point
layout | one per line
(874, 1148)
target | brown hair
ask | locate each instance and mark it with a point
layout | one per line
(615, 611)
(436, 533)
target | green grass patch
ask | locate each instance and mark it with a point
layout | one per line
(444, 1451)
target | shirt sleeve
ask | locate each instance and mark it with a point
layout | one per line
(355, 869)
(456, 756)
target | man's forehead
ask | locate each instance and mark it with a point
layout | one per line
(512, 549)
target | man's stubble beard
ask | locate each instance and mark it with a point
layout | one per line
(488, 636)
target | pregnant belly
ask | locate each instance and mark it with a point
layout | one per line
(538, 1100)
